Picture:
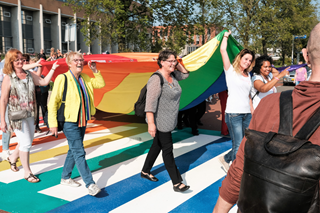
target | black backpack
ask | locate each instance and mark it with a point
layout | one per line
(140, 105)
(60, 112)
(281, 172)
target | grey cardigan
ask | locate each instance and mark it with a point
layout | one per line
(164, 102)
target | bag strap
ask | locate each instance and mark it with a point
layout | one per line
(286, 118)
(286, 113)
(310, 126)
(160, 76)
(257, 93)
(65, 89)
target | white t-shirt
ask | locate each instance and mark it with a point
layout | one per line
(239, 88)
(257, 98)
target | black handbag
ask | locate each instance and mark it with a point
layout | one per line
(281, 172)
(60, 112)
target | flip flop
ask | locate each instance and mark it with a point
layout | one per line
(14, 165)
(34, 178)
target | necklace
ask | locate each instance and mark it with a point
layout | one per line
(170, 85)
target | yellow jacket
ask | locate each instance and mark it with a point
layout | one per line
(72, 104)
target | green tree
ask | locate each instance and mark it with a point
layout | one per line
(207, 17)
(115, 21)
(131, 23)
(260, 24)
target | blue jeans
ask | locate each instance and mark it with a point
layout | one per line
(237, 123)
(297, 82)
(76, 154)
(7, 135)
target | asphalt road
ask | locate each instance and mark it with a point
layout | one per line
(281, 88)
(284, 88)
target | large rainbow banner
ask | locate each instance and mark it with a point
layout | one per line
(126, 74)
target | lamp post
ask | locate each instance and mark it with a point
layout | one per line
(293, 38)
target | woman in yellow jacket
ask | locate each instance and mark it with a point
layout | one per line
(79, 106)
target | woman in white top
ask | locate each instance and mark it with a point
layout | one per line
(239, 104)
(264, 79)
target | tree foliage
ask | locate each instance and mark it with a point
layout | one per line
(260, 24)
(130, 24)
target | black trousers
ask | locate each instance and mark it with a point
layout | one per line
(163, 142)
(42, 99)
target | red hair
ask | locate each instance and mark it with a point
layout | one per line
(11, 56)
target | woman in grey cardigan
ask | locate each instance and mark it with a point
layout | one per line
(162, 107)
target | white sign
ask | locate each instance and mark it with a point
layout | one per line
(70, 32)
(73, 32)
(66, 34)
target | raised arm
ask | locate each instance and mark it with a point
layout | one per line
(37, 80)
(223, 50)
(274, 72)
(31, 66)
(5, 90)
(262, 87)
(180, 72)
(98, 81)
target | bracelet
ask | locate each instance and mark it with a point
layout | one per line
(226, 36)
(277, 78)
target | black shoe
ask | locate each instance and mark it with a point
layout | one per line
(38, 130)
(195, 132)
(177, 189)
(148, 177)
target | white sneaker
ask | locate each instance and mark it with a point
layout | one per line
(224, 164)
(93, 189)
(5, 154)
(70, 182)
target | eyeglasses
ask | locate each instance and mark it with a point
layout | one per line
(78, 60)
(171, 61)
(20, 59)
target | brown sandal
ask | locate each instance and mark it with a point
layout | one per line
(14, 165)
(34, 178)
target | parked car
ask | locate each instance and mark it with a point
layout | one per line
(289, 79)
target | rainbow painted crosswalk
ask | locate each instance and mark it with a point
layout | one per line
(115, 154)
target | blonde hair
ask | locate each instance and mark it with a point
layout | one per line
(11, 56)
(71, 55)
(236, 61)
(52, 51)
(34, 59)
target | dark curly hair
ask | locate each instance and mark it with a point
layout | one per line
(259, 63)
(164, 55)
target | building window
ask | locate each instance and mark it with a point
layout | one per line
(64, 47)
(47, 33)
(78, 36)
(5, 29)
(27, 31)
(64, 22)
